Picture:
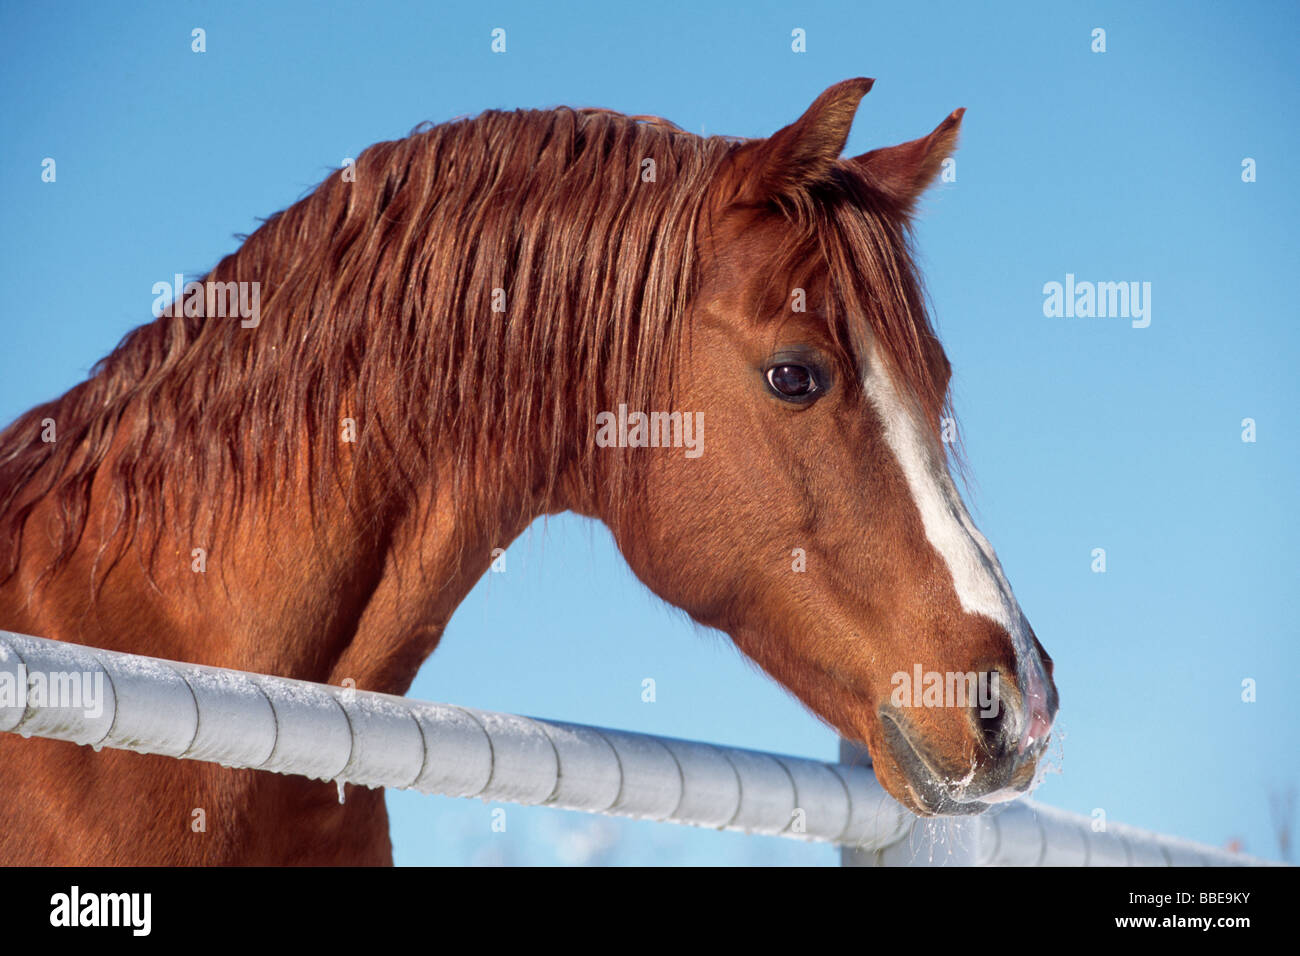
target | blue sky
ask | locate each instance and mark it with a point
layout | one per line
(1082, 433)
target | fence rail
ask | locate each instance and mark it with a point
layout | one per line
(255, 721)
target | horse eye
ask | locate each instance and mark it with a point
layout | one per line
(792, 381)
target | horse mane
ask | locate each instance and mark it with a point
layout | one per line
(377, 296)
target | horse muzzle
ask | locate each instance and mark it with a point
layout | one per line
(996, 760)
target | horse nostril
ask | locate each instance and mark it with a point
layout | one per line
(992, 726)
(995, 713)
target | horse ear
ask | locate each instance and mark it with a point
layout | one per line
(903, 172)
(801, 153)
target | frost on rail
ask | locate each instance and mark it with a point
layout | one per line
(255, 721)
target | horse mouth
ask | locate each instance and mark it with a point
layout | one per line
(934, 793)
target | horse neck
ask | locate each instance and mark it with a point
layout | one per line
(432, 555)
(317, 594)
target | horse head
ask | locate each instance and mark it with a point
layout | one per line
(817, 522)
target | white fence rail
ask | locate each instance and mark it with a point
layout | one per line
(240, 719)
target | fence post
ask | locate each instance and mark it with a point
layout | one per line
(953, 842)
(851, 753)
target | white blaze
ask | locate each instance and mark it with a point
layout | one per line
(977, 576)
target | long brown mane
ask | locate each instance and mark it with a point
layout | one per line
(377, 300)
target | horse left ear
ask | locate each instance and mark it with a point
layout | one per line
(903, 172)
(802, 153)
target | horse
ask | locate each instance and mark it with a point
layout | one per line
(312, 490)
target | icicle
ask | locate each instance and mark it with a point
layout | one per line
(339, 781)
